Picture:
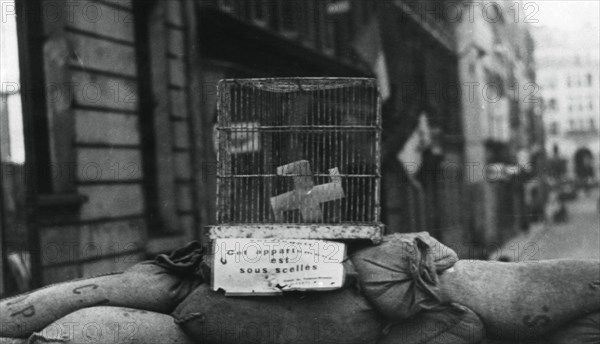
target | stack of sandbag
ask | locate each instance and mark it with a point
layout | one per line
(585, 330)
(449, 324)
(411, 289)
(411, 273)
(112, 325)
(345, 316)
(13, 340)
(524, 300)
(145, 286)
(341, 316)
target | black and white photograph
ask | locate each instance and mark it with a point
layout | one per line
(300, 171)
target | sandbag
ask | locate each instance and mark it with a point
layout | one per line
(341, 316)
(112, 325)
(585, 330)
(400, 276)
(144, 286)
(450, 324)
(13, 340)
(512, 341)
(527, 299)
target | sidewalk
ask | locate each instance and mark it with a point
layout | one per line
(579, 237)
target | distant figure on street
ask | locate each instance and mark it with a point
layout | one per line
(557, 169)
(561, 215)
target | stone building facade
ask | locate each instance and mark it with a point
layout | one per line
(568, 73)
(119, 106)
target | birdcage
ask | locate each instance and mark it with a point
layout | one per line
(298, 158)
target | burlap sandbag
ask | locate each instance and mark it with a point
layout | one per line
(400, 276)
(112, 325)
(341, 316)
(512, 341)
(585, 330)
(524, 300)
(13, 340)
(145, 286)
(450, 324)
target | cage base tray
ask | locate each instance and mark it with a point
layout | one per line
(373, 233)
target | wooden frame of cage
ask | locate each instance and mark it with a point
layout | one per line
(369, 227)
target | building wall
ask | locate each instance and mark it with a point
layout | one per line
(93, 55)
(495, 67)
(569, 79)
(4, 128)
(96, 54)
(475, 39)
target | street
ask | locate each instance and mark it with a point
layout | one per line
(578, 237)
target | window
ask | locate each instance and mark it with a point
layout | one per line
(308, 25)
(155, 81)
(226, 5)
(22, 113)
(554, 128)
(589, 79)
(13, 142)
(12, 153)
(366, 9)
(592, 124)
(552, 104)
(568, 81)
(340, 15)
(326, 31)
(288, 18)
(572, 124)
(260, 12)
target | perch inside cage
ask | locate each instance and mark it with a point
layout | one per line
(298, 158)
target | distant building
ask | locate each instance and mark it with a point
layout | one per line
(499, 120)
(569, 80)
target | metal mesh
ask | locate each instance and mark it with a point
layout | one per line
(299, 150)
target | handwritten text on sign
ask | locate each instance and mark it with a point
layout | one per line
(269, 266)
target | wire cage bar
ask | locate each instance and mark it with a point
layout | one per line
(298, 151)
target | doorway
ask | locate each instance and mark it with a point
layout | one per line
(15, 259)
(584, 164)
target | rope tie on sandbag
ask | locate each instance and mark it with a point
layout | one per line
(38, 337)
(185, 261)
(189, 317)
(425, 274)
(400, 276)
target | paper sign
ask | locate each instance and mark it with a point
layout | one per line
(270, 266)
